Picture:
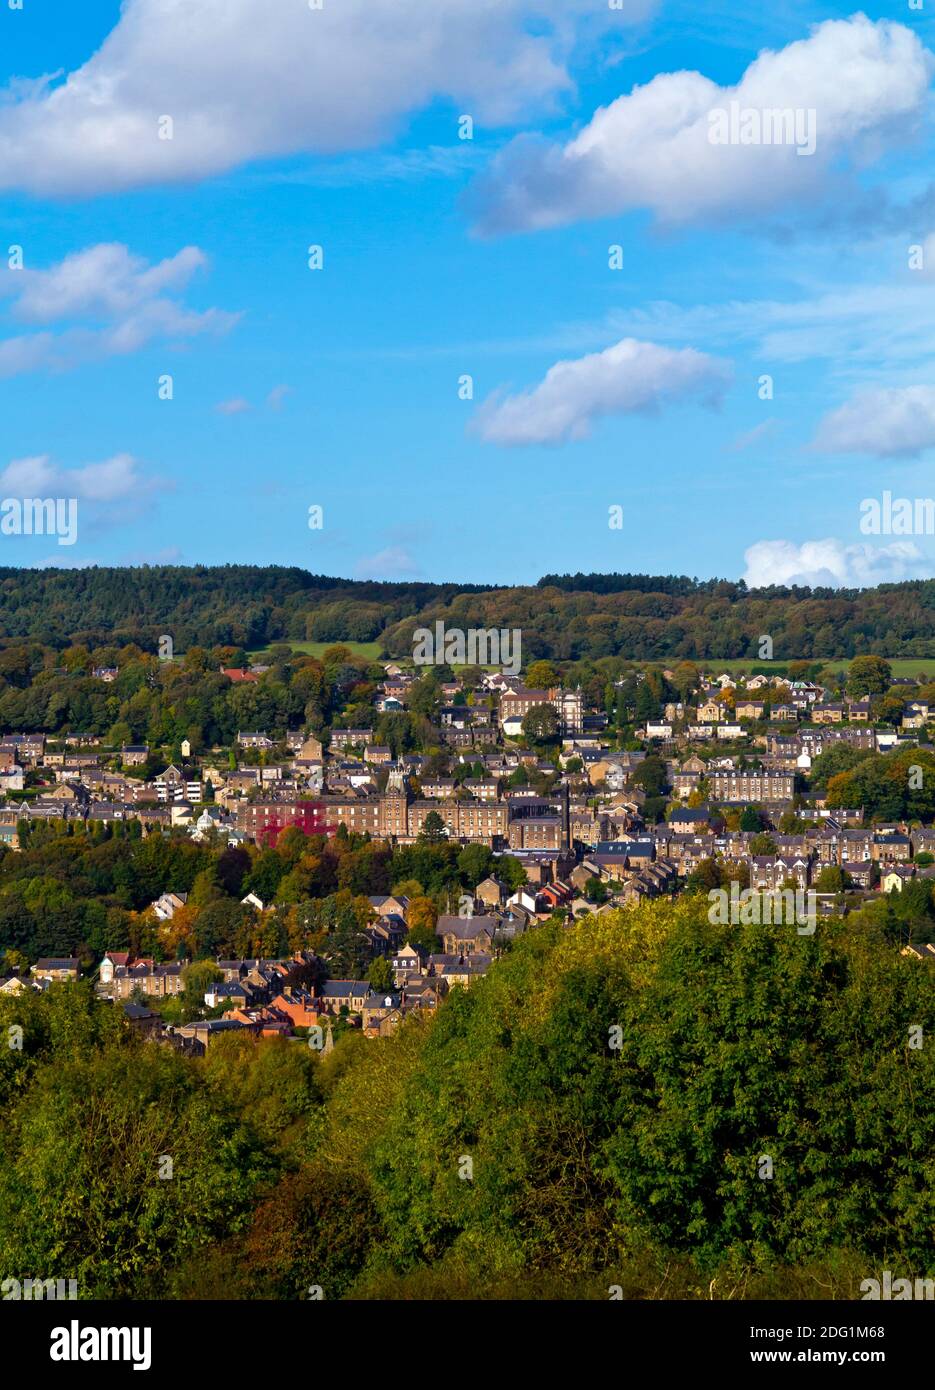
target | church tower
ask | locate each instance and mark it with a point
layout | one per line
(394, 804)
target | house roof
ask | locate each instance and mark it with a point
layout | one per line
(464, 928)
(138, 1011)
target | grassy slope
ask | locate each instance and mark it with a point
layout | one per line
(370, 650)
(901, 666)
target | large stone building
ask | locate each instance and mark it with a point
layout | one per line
(568, 706)
(464, 820)
(392, 816)
(515, 703)
(752, 786)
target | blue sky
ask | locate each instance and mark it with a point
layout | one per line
(446, 257)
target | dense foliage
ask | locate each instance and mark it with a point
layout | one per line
(239, 605)
(162, 702)
(80, 889)
(648, 1062)
(564, 616)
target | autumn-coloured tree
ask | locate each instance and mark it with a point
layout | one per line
(420, 922)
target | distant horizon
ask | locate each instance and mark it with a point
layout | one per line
(478, 585)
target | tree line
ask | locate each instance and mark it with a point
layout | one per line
(566, 617)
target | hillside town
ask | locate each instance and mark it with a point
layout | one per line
(570, 815)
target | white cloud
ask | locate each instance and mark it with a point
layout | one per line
(124, 300)
(117, 479)
(631, 376)
(867, 331)
(111, 481)
(394, 562)
(102, 281)
(277, 396)
(866, 82)
(830, 564)
(29, 477)
(249, 79)
(892, 421)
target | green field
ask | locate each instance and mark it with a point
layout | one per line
(370, 650)
(900, 665)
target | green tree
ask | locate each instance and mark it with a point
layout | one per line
(380, 975)
(540, 724)
(830, 880)
(542, 675)
(206, 888)
(510, 871)
(474, 864)
(840, 757)
(424, 696)
(433, 830)
(651, 776)
(84, 1192)
(868, 675)
(705, 875)
(646, 705)
(347, 948)
(595, 891)
(197, 977)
